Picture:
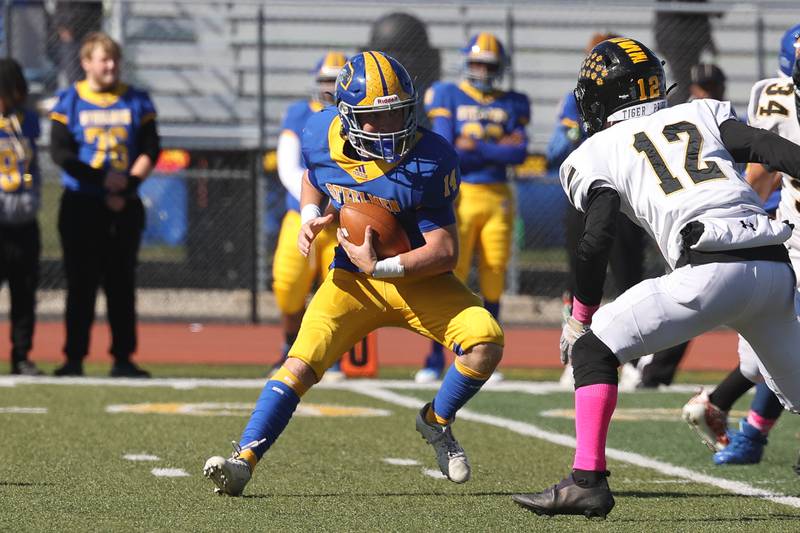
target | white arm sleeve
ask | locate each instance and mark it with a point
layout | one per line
(290, 168)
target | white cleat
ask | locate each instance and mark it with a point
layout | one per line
(229, 475)
(426, 375)
(449, 454)
(567, 380)
(707, 420)
(630, 377)
(496, 377)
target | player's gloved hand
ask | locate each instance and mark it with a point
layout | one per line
(571, 332)
(309, 231)
(115, 202)
(364, 256)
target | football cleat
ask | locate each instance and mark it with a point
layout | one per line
(25, 368)
(567, 380)
(449, 454)
(229, 475)
(569, 498)
(126, 369)
(746, 447)
(707, 420)
(426, 375)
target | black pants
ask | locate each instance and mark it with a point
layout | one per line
(20, 246)
(100, 247)
(626, 259)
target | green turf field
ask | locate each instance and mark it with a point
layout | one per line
(63, 467)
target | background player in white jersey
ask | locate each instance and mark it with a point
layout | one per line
(672, 171)
(773, 107)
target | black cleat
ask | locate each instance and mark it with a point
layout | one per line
(568, 498)
(70, 368)
(126, 369)
(25, 368)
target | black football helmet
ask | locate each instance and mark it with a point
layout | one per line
(619, 74)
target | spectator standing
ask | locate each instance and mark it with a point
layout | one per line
(73, 21)
(682, 37)
(20, 195)
(105, 140)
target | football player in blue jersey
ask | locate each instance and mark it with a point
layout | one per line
(104, 138)
(292, 273)
(369, 149)
(20, 199)
(486, 125)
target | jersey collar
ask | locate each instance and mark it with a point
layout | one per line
(100, 99)
(360, 170)
(479, 96)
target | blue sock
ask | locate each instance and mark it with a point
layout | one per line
(274, 408)
(493, 308)
(435, 359)
(459, 385)
(766, 403)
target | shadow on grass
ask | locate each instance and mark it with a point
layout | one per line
(24, 484)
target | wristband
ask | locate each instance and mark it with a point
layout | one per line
(309, 212)
(389, 268)
(582, 312)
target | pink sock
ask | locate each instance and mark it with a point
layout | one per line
(759, 422)
(594, 405)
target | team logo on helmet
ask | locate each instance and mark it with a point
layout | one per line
(620, 79)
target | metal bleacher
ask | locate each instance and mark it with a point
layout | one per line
(199, 59)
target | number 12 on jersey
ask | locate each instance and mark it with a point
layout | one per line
(694, 143)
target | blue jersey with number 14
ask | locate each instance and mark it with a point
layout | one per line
(104, 126)
(419, 189)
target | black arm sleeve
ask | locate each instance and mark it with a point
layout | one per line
(753, 145)
(594, 246)
(148, 140)
(64, 151)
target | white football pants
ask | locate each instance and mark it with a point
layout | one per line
(748, 362)
(755, 298)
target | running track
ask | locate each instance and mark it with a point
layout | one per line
(247, 344)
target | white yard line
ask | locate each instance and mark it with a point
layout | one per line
(24, 410)
(529, 430)
(169, 472)
(141, 457)
(527, 387)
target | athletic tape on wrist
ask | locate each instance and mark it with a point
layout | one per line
(309, 212)
(389, 268)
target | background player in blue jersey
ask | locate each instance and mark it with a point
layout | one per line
(369, 149)
(486, 125)
(20, 198)
(105, 140)
(292, 273)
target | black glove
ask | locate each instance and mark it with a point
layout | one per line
(133, 186)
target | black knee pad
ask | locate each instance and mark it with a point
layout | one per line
(593, 362)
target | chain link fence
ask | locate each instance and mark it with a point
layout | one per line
(222, 74)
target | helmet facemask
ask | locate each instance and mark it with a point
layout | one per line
(491, 76)
(324, 89)
(389, 146)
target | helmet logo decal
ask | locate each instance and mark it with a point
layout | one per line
(346, 76)
(631, 48)
(386, 100)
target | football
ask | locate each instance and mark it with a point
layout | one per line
(389, 238)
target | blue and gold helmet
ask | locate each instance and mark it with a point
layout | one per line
(789, 44)
(487, 49)
(325, 74)
(374, 82)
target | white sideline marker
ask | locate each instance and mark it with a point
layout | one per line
(529, 430)
(169, 472)
(141, 457)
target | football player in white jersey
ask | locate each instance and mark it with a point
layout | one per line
(773, 107)
(671, 170)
